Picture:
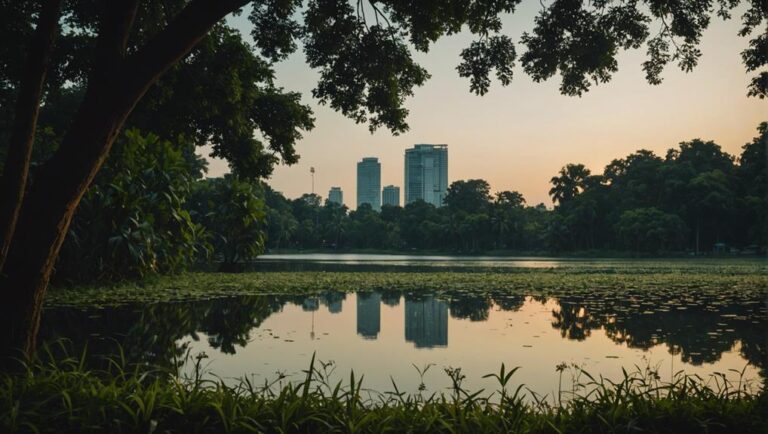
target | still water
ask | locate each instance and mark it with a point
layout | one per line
(386, 335)
(369, 259)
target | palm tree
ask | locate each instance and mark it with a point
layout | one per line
(569, 183)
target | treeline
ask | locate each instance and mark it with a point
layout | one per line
(695, 199)
(150, 210)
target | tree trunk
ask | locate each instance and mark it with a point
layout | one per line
(13, 182)
(48, 210)
(114, 89)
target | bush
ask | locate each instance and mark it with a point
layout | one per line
(132, 220)
(233, 212)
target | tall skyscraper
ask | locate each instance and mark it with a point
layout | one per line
(335, 195)
(369, 182)
(426, 321)
(390, 195)
(426, 174)
(368, 314)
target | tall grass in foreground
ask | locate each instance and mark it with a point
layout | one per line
(64, 396)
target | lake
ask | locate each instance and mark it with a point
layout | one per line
(410, 337)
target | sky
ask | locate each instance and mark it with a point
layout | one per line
(518, 137)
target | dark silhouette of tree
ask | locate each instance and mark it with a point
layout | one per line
(752, 187)
(650, 230)
(570, 182)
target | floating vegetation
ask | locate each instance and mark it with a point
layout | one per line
(670, 285)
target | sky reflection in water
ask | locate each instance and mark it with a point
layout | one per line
(383, 335)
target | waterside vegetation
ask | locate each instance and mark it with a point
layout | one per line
(64, 396)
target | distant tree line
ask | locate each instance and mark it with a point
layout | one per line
(696, 198)
(152, 211)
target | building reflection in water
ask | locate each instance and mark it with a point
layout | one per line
(368, 314)
(332, 300)
(310, 304)
(426, 322)
(701, 328)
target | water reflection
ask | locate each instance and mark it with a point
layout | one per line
(369, 314)
(426, 321)
(700, 329)
(332, 300)
(697, 328)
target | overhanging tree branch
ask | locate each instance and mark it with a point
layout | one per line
(177, 39)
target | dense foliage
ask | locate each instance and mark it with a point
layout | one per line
(132, 221)
(696, 198)
(233, 212)
(222, 94)
(149, 212)
(224, 89)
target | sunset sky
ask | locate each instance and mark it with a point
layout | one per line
(517, 137)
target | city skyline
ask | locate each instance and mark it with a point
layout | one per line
(425, 177)
(529, 127)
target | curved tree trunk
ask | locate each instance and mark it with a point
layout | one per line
(48, 210)
(13, 182)
(115, 87)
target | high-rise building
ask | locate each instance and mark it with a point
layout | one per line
(368, 314)
(426, 322)
(369, 182)
(426, 174)
(335, 195)
(390, 195)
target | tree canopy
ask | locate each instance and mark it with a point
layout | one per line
(223, 90)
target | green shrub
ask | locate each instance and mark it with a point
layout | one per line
(132, 221)
(233, 212)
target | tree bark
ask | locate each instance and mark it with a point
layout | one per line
(115, 87)
(13, 182)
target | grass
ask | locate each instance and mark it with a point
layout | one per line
(66, 397)
(724, 278)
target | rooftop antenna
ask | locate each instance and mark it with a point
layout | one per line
(312, 172)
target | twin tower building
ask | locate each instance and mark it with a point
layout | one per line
(426, 178)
